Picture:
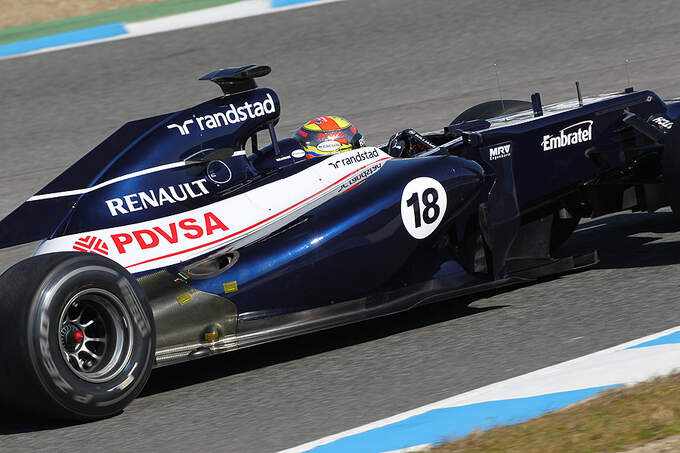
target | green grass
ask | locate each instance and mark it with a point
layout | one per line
(615, 420)
(133, 13)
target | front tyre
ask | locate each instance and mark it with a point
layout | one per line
(76, 337)
(671, 169)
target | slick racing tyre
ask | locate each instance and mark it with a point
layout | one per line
(492, 109)
(77, 337)
(671, 169)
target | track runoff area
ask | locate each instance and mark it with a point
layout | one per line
(506, 402)
(511, 401)
(121, 30)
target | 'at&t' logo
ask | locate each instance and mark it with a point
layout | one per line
(91, 244)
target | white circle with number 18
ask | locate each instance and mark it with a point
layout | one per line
(423, 204)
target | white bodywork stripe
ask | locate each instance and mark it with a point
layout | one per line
(69, 193)
(243, 218)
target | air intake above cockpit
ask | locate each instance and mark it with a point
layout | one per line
(237, 80)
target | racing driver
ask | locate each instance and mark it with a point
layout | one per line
(328, 135)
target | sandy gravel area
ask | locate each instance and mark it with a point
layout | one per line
(25, 12)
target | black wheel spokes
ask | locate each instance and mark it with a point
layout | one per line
(96, 336)
(91, 350)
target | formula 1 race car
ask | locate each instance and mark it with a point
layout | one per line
(181, 236)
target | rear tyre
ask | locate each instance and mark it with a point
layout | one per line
(671, 169)
(77, 337)
(492, 109)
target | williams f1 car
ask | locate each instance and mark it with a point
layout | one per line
(200, 232)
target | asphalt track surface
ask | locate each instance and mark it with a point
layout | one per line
(386, 65)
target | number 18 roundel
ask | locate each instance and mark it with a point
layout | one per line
(423, 204)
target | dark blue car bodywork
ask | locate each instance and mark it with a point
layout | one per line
(509, 181)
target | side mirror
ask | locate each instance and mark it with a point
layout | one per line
(218, 172)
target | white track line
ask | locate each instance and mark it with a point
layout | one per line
(598, 367)
(232, 11)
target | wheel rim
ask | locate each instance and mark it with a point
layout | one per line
(95, 335)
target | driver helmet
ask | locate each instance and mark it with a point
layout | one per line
(328, 135)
